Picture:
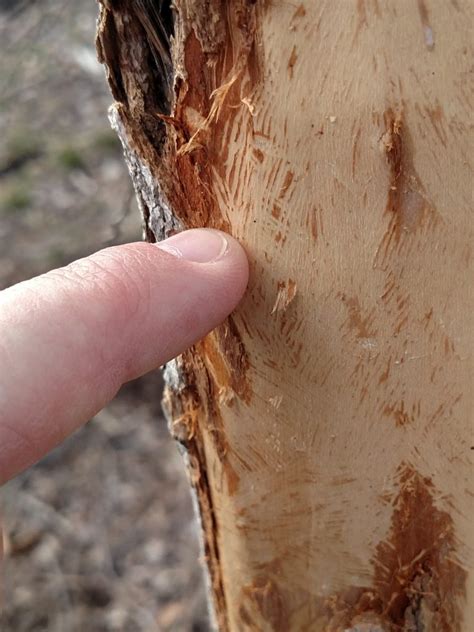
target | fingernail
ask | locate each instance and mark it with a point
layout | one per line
(200, 245)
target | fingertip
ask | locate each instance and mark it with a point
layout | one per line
(81, 331)
(233, 268)
(217, 258)
(204, 245)
(187, 285)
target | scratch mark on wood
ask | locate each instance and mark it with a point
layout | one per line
(286, 294)
(407, 203)
(292, 61)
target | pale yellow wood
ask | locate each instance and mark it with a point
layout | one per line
(329, 425)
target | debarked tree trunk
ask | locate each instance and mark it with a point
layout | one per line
(325, 423)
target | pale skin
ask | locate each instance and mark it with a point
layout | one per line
(70, 338)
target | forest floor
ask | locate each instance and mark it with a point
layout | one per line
(100, 535)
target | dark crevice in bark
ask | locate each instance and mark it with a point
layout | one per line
(157, 21)
(149, 234)
(134, 41)
(109, 53)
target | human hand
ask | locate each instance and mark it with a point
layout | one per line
(70, 338)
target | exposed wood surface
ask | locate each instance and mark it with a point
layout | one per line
(327, 422)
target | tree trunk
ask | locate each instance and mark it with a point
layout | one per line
(326, 423)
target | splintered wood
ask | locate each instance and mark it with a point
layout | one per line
(286, 293)
(327, 422)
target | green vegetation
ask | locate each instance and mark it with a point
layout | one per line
(21, 145)
(16, 198)
(70, 158)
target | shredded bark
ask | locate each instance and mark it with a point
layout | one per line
(179, 73)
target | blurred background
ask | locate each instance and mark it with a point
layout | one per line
(100, 535)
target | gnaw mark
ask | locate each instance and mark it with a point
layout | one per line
(407, 203)
(286, 294)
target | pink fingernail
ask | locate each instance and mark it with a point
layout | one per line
(200, 245)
